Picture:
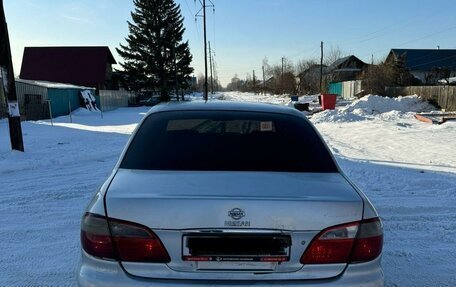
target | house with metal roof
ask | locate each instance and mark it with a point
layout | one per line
(345, 69)
(427, 65)
(42, 100)
(81, 66)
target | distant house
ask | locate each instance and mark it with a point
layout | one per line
(82, 66)
(309, 79)
(427, 65)
(345, 69)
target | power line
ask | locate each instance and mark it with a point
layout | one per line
(213, 27)
(417, 39)
(427, 36)
(189, 10)
(395, 26)
(305, 51)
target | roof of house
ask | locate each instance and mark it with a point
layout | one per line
(52, 85)
(426, 59)
(313, 68)
(84, 66)
(345, 63)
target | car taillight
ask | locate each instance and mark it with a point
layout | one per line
(369, 241)
(128, 242)
(95, 236)
(349, 243)
(136, 243)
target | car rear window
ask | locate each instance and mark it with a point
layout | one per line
(227, 141)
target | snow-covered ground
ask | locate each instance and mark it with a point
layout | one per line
(406, 167)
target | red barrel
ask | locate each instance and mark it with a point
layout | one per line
(328, 101)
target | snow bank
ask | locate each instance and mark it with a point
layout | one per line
(451, 80)
(373, 106)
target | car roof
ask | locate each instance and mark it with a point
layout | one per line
(224, 106)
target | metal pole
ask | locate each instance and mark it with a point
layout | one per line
(205, 52)
(321, 69)
(210, 63)
(50, 112)
(9, 85)
(254, 80)
(264, 83)
(281, 86)
(69, 109)
(175, 73)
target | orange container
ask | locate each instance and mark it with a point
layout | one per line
(328, 101)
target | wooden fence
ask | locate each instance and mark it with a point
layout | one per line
(111, 100)
(441, 96)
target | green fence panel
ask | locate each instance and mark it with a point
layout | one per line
(62, 100)
(336, 88)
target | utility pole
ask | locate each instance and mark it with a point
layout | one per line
(176, 79)
(264, 82)
(254, 82)
(283, 59)
(210, 62)
(205, 52)
(321, 69)
(372, 62)
(9, 85)
(205, 44)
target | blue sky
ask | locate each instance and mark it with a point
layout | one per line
(244, 32)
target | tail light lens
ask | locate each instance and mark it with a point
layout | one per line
(136, 243)
(95, 236)
(349, 243)
(369, 242)
(129, 242)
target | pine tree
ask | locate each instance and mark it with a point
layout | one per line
(155, 57)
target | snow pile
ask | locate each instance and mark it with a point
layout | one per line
(376, 104)
(451, 80)
(308, 98)
(373, 106)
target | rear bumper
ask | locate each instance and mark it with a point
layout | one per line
(95, 272)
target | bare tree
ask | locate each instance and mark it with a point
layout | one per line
(266, 66)
(200, 82)
(308, 72)
(305, 64)
(333, 54)
(281, 77)
(377, 77)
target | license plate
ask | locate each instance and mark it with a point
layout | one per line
(238, 265)
(261, 248)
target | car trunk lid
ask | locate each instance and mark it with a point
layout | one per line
(186, 208)
(195, 200)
